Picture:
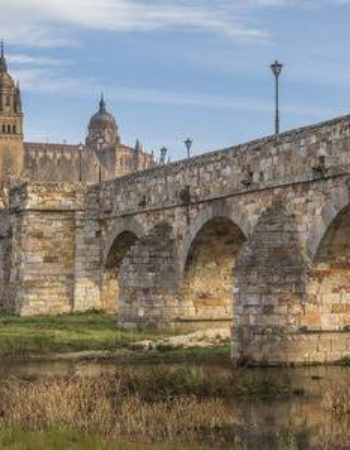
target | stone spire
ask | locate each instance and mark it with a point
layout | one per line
(138, 146)
(3, 65)
(102, 104)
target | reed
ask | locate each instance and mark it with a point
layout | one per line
(106, 406)
(152, 404)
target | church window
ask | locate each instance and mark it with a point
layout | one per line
(9, 129)
(14, 129)
(4, 128)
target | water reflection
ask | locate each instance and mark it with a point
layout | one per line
(300, 422)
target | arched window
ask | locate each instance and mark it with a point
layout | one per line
(9, 129)
(14, 129)
(4, 129)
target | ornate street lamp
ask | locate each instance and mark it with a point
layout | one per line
(188, 144)
(276, 68)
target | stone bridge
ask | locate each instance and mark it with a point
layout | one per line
(256, 237)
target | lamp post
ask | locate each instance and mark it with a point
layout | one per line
(276, 68)
(188, 144)
(163, 153)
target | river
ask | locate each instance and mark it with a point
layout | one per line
(296, 422)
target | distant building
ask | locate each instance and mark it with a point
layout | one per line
(103, 157)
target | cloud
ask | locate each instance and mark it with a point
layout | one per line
(16, 30)
(190, 99)
(21, 59)
(53, 23)
(43, 81)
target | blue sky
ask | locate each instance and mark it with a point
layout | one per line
(171, 69)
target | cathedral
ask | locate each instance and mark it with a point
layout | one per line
(103, 157)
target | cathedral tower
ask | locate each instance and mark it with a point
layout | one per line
(11, 123)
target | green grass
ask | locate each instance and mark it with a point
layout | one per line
(22, 336)
(177, 354)
(59, 440)
(346, 360)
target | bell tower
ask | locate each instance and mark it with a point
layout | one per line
(11, 123)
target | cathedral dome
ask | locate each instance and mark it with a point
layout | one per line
(103, 126)
(102, 118)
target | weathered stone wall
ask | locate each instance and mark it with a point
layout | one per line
(88, 252)
(45, 162)
(59, 163)
(5, 258)
(149, 280)
(209, 287)
(302, 347)
(298, 156)
(11, 155)
(272, 278)
(43, 221)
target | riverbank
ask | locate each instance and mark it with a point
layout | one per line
(85, 332)
(113, 389)
(95, 335)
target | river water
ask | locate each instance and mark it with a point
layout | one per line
(297, 422)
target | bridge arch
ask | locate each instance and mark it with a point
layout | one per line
(207, 262)
(337, 202)
(328, 289)
(123, 236)
(237, 214)
(121, 226)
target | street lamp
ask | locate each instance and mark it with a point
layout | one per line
(276, 68)
(188, 144)
(163, 153)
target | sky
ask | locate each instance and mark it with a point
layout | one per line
(172, 69)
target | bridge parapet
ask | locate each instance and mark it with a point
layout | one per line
(297, 156)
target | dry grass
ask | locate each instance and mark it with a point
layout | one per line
(106, 406)
(158, 405)
(337, 399)
(148, 404)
